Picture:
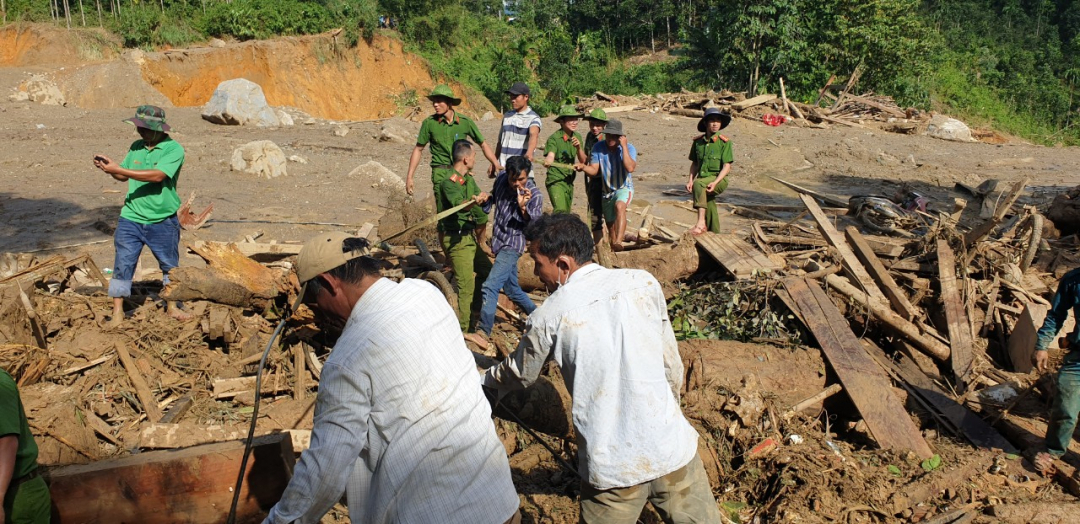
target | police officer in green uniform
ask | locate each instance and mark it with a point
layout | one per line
(460, 231)
(711, 159)
(564, 146)
(594, 185)
(26, 496)
(441, 130)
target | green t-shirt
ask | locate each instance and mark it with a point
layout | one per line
(711, 153)
(455, 190)
(565, 153)
(13, 422)
(152, 202)
(442, 134)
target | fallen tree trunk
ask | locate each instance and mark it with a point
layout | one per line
(231, 278)
(667, 263)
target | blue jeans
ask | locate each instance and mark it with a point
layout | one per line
(163, 239)
(503, 276)
(1066, 405)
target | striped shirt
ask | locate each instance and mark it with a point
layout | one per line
(609, 332)
(514, 136)
(612, 170)
(509, 222)
(401, 425)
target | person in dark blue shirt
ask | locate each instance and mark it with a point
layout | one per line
(1066, 405)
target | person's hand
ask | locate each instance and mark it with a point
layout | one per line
(622, 142)
(104, 163)
(577, 143)
(1040, 359)
(409, 186)
(712, 186)
(481, 198)
(523, 197)
(690, 186)
(493, 170)
(578, 166)
(547, 163)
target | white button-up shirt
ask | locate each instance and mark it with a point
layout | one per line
(401, 426)
(608, 329)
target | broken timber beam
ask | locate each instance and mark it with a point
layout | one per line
(188, 485)
(983, 229)
(881, 275)
(749, 102)
(888, 317)
(866, 384)
(851, 262)
(146, 397)
(960, 338)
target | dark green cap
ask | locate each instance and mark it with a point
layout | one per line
(444, 91)
(598, 114)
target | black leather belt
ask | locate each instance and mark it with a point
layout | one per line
(29, 476)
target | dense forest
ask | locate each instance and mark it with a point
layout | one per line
(1012, 64)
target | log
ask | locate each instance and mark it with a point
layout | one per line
(263, 252)
(793, 108)
(851, 83)
(894, 111)
(692, 113)
(231, 278)
(890, 319)
(960, 341)
(851, 262)
(824, 88)
(751, 102)
(667, 262)
(826, 393)
(928, 486)
(166, 487)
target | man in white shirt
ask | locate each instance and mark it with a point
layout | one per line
(609, 332)
(520, 132)
(401, 426)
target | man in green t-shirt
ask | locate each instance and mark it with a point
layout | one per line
(710, 163)
(441, 130)
(566, 147)
(151, 168)
(26, 496)
(460, 232)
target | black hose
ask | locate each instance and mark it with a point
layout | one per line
(558, 457)
(255, 412)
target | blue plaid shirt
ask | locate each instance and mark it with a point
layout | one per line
(1067, 298)
(509, 222)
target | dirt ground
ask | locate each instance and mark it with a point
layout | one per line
(52, 198)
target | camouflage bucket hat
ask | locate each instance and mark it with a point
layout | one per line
(568, 111)
(150, 117)
(444, 91)
(598, 114)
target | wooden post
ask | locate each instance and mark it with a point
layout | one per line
(881, 275)
(851, 262)
(299, 385)
(146, 397)
(959, 327)
(823, 89)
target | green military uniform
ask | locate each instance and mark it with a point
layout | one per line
(27, 499)
(710, 153)
(594, 185)
(465, 255)
(560, 180)
(441, 133)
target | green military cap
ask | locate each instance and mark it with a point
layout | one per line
(444, 91)
(598, 114)
(568, 111)
(149, 117)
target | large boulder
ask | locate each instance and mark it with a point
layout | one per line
(378, 176)
(41, 90)
(261, 157)
(239, 102)
(398, 130)
(947, 128)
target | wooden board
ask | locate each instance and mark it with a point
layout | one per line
(967, 422)
(881, 275)
(191, 485)
(738, 257)
(960, 339)
(852, 265)
(1023, 336)
(863, 380)
(751, 102)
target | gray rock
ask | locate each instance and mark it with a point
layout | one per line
(285, 118)
(239, 102)
(398, 130)
(217, 43)
(298, 159)
(262, 158)
(377, 176)
(341, 130)
(41, 90)
(487, 116)
(947, 128)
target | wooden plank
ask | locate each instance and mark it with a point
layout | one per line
(830, 200)
(188, 485)
(146, 397)
(231, 387)
(970, 424)
(960, 339)
(881, 107)
(751, 102)
(880, 247)
(172, 436)
(773, 208)
(1022, 339)
(256, 250)
(865, 383)
(881, 275)
(178, 409)
(745, 253)
(738, 257)
(851, 262)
